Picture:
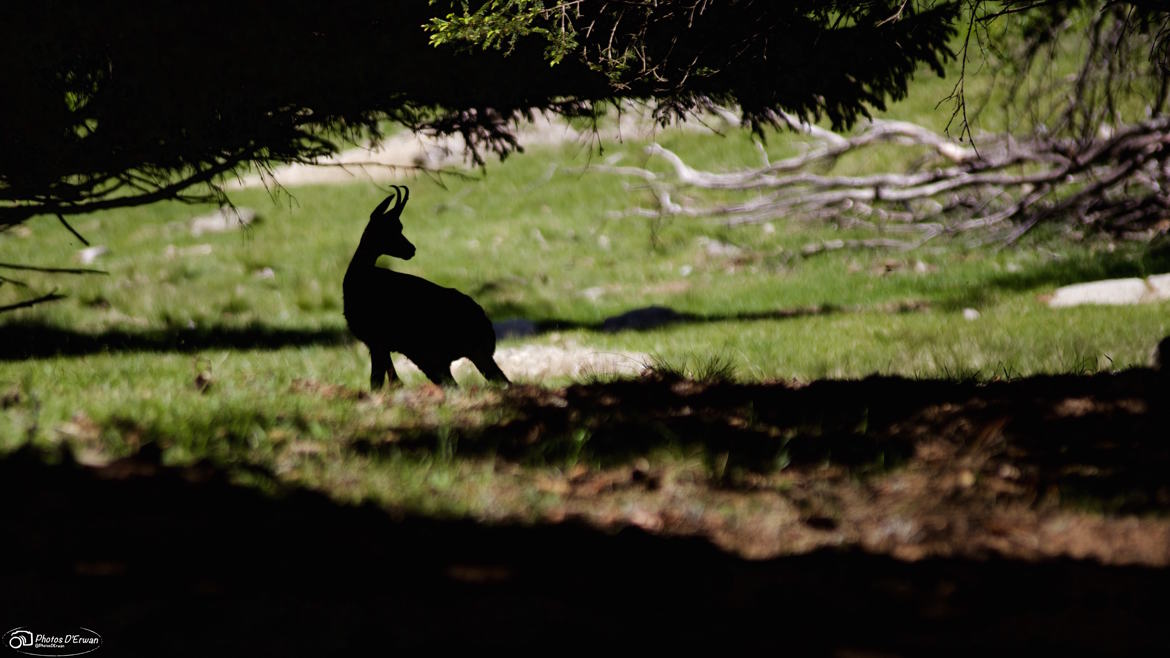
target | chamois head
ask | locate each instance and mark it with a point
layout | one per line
(385, 228)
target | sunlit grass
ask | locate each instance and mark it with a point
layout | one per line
(534, 237)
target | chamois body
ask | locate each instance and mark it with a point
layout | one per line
(395, 312)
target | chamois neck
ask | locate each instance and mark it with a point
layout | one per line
(366, 255)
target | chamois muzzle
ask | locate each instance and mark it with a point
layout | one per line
(401, 248)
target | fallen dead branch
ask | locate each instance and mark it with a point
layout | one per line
(1117, 181)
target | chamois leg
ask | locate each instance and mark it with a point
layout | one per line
(380, 365)
(437, 372)
(490, 369)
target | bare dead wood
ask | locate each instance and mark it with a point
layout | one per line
(1118, 181)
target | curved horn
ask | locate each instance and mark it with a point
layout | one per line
(400, 204)
(385, 202)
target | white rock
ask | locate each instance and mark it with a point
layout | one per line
(717, 249)
(593, 294)
(970, 314)
(194, 250)
(90, 254)
(539, 362)
(222, 220)
(1113, 292)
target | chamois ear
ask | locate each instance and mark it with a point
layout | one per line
(382, 206)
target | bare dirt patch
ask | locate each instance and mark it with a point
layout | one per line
(405, 153)
(1034, 469)
(534, 363)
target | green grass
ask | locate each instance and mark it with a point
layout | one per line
(534, 238)
(552, 252)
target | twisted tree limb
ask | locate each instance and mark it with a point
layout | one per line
(1117, 182)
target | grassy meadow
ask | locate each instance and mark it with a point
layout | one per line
(231, 347)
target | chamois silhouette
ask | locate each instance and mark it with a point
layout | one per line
(394, 312)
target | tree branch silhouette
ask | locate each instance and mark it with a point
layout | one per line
(121, 105)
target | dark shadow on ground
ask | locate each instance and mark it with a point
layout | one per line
(655, 317)
(1105, 265)
(30, 340)
(1066, 271)
(1099, 439)
(179, 562)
